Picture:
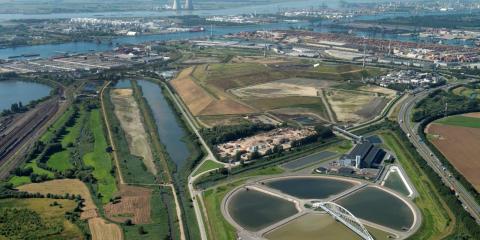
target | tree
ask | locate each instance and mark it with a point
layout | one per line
(141, 230)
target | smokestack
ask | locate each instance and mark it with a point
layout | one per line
(176, 5)
(189, 4)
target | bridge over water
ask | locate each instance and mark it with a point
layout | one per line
(344, 216)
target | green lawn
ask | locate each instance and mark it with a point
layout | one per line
(18, 181)
(74, 132)
(462, 121)
(207, 165)
(99, 159)
(38, 170)
(60, 161)
(436, 222)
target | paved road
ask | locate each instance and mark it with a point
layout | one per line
(411, 130)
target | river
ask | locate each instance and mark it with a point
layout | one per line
(49, 50)
(170, 131)
(13, 91)
(259, 9)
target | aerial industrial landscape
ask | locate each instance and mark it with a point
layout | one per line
(250, 119)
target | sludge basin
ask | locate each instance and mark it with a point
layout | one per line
(255, 210)
(310, 187)
(380, 207)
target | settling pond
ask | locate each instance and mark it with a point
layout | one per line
(310, 187)
(170, 131)
(13, 91)
(380, 207)
(254, 210)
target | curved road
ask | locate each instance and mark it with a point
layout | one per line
(411, 130)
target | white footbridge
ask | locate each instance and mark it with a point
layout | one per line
(344, 216)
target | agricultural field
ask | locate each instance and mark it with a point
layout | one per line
(458, 138)
(201, 102)
(133, 204)
(128, 113)
(98, 227)
(248, 85)
(37, 218)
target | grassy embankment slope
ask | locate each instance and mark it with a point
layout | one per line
(99, 159)
(438, 220)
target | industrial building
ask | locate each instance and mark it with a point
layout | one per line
(177, 6)
(364, 155)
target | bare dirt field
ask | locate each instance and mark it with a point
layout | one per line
(261, 60)
(347, 104)
(200, 102)
(460, 146)
(128, 113)
(134, 204)
(475, 115)
(283, 88)
(102, 230)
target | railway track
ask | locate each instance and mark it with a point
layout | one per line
(23, 133)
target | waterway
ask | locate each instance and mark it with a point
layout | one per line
(380, 207)
(169, 129)
(13, 91)
(310, 187)
(49, 50)
(254, 210)
(248, 9)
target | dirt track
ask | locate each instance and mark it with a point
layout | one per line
(460, 146)
(128, 113)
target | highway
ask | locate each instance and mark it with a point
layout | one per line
(410, 129)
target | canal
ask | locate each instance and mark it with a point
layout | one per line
(169, 129)
(13, 91)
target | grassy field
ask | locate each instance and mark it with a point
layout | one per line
(438, 222)
(467, 92)
(207, 165)
(17, 181)
(99, 159)
(50, 133)
(73, 132)
(461, 121)
(60, 161)
(45, 222)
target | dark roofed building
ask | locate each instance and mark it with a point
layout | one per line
(373, 158)
(369, 155)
